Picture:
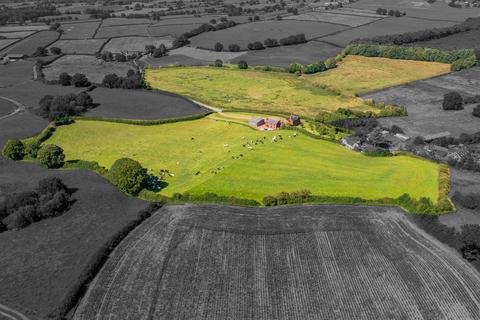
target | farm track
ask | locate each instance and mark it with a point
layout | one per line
(300, 262)
(12, 314)
(18, 107)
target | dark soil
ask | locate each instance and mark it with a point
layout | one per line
(41, 264)
(140, 104)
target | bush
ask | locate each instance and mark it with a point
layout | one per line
(14, 149)
(51, 156)
(330, 63)
(269, 201)
(58, 107)
(55, 50)
(80, 80)
(128, 175)
(234, 47)
(64, 79)
(257, 45)
(270, 42)
(295, 67)
(418, 140)
(452, 101)
(218, 63)
(50, 199)
(242, 64)
(476, 111)
(218, 47)
(161, 51)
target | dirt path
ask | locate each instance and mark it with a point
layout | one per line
(11, 314)
(18, 107)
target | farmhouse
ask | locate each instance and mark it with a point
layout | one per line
(264, 124)
(351, 143)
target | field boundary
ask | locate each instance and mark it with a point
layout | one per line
(144, 122)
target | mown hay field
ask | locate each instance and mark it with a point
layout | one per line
(358, 75)
(301, 262)
(230, 159)
(231, 88)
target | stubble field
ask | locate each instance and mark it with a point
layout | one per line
(308, 262)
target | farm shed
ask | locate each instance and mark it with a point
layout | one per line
(256, 122)
(293, 120)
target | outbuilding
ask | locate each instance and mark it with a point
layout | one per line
(293, 120)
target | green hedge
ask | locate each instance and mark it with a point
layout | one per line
(146, 122)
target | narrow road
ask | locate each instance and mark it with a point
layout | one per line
(18, 107)
(11, 314)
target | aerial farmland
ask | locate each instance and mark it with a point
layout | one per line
(240, 160)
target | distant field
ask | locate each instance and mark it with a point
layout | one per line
(384, 27)
(16, 34)
(421, 9)
(23, 28)
(467, 39)
(124, 21)
(346, 19)
(212, 156)
(171, 60)
(92, 67)
(206, 55)
(140, 104)
(136, 44)
(123, 31)
(6, 42)
(259, 31)
(174, 30)
(81, 30)
(298, 262)
(305, 53)
(231, 88)
(6, 107)
(88, 46)
(29, 45)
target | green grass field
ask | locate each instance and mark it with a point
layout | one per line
(210, 155)
(231, 88)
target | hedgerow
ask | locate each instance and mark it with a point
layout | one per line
(146, 122)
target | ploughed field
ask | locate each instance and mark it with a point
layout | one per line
(300, 262)
(232, 88)
(210, 155)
